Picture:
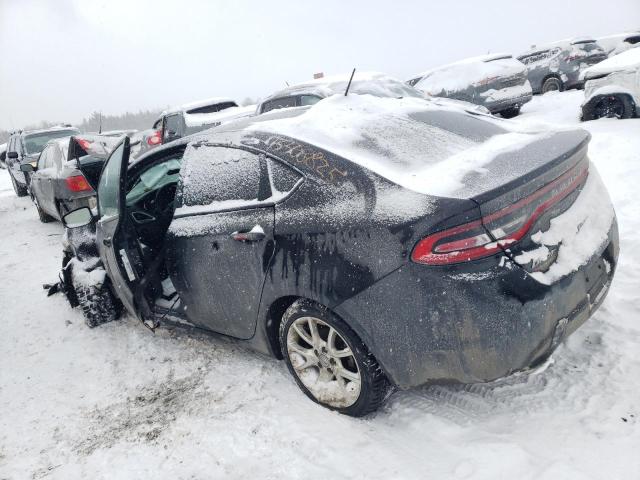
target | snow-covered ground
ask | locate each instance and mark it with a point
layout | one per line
(120, 402)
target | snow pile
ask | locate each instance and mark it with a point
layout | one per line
(87, 273)
(470, 72)
(383, 135)
(629, 60)
(579, 232)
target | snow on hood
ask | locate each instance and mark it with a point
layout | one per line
(462, 74)
(386, 136)
(629, 60)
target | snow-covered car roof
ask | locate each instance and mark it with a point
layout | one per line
(467, 61)
(629, 60)
(567, 42)
(464, 73)
(414, 142)
(374, 83)
(51, 129)
(198, 104)
(610, 42)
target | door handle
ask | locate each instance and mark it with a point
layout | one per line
(254, 235)
(106, 241)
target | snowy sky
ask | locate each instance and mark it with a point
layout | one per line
(62, 60)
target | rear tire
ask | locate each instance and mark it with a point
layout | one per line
(552, 84)
(19, 189)
(98, 304)
(510, 112)
(44, 217)
(319, 362)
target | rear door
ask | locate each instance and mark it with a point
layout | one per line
(36, 190)
(50, 175)
(222, 238)
(109, 231)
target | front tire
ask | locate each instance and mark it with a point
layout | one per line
(98, 304)
(44, 217)
(552, 84)
(329, 362)
(510, 112)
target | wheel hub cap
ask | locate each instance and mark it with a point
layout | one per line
(324, 362)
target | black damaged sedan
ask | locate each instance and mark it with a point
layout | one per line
(371, 243)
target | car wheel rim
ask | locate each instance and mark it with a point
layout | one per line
(609, 108)
(324, 362)
(552, 86)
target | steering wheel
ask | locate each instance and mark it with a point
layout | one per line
(163, 201)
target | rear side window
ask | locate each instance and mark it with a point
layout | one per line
(216, 107)
(276, 103)
(213, 175)
(283, 178)
(173, 126)
(309, 100)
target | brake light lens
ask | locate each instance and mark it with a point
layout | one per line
(85, 144)
(78, 183)
(155, 139)
(471, 241)
(486, 81)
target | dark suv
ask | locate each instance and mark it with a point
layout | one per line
(25, 147)
(557, 66)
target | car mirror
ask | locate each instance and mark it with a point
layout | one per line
(78, 218)
(13, 155)
(27, 167)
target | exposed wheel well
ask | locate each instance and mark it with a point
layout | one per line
(274, 318)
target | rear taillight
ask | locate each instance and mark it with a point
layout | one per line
(155, 139)
(471, 241)
(78, 183)
(85, 144)
(577, 56)
(486, 81)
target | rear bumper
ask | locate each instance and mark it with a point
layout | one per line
(474, 323)
(508, 98)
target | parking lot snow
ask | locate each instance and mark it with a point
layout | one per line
(120, 402)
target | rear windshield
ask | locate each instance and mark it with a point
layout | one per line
(35, 142)
(216, 107)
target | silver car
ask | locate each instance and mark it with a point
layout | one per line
(557, 66)
(57, 185)
(497, 82)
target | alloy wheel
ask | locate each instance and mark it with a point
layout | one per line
(324, 362)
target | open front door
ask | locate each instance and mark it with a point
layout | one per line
(111, 235)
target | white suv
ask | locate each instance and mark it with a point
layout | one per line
(612, 87)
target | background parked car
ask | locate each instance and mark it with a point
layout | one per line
(3, 154)
(557, 66)
(612, 87)
(190, 118)
(57, 183)
(497, 82)
(25, 147)
(349, 256)
(621, 42)
(311, 92)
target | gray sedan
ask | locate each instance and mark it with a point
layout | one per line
(557, 66)
(57, 185)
